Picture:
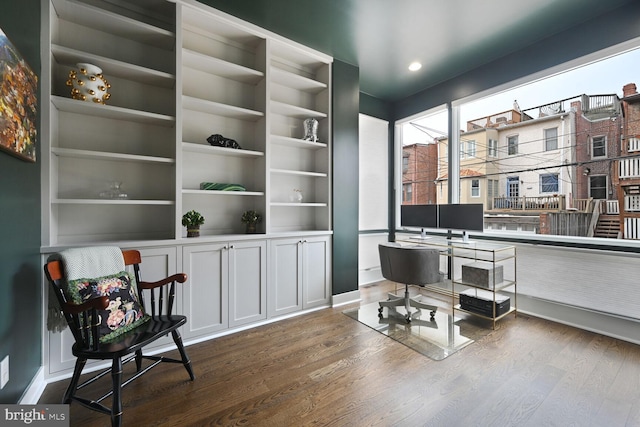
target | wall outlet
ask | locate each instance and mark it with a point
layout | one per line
(4, 371)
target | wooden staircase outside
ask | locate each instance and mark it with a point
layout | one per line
(608, 226)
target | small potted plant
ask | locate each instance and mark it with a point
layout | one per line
(192, 220)
(251, 219)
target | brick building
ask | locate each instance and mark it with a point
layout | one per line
(419, 172)
(597, 141)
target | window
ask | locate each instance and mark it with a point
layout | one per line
(599, 146)
(462, 152)
(512, 145)
(598, 186)
(492, 188)
(405, 162)
(407, 193)
(549, 183)
(493, 148)
(551, 139)
(471, 148)
(475, 188)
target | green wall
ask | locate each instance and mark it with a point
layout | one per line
(20, 269)
(345, 108)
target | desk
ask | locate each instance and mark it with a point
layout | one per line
(479, 269)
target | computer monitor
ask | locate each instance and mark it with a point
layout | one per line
(422, 216)
(461, 216)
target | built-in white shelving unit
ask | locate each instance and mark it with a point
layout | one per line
(179, 73)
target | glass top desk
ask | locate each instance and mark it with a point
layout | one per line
(483, 272)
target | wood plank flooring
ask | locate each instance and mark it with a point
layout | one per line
(325, 369)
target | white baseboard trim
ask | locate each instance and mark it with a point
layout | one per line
(621, 328)
(345, 298)
(35, 389)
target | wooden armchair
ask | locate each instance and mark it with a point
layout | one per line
(86, 321)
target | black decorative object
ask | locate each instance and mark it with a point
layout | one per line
(218, 140)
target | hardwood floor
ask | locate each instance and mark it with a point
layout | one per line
(325, 369)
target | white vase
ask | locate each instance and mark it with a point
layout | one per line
(88, 84)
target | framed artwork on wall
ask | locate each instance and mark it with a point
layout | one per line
(18, 103)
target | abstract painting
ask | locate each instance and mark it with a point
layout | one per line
(18, 103)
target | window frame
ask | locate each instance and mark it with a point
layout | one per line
(492, 148)
(476, 187)
(407, 192)
(512, 146)
(548, 139)
(471, 148)
(604, 188)
(603, 147)
(542, 184)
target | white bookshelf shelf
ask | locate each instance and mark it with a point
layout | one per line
(220, 151)
(220, 67)
(226, 110)
(101, 155)
(111, 112)
(299, 173)
(110, 22)
(223, 193)
(297, 142)
(112, 67)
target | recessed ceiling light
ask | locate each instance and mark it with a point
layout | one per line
(415, 66)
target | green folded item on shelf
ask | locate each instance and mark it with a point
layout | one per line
(221, 187)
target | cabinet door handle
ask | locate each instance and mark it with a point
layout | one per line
(231, 247)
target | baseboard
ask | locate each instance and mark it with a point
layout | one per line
(607, 324)
(35, 389)
(345, 298)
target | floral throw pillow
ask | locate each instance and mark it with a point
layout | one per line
(124, 312)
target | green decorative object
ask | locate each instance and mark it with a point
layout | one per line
(251, 219)
(192, 220)
(221, 187)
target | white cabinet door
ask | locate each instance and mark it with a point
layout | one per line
(299, 274)
(205, 302)
(316, 259)
(285, 277)
(247, 282)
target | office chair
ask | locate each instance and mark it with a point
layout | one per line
(409, 265)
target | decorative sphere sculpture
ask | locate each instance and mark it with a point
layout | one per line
(88, 84)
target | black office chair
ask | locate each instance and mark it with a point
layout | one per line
(409, 265)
